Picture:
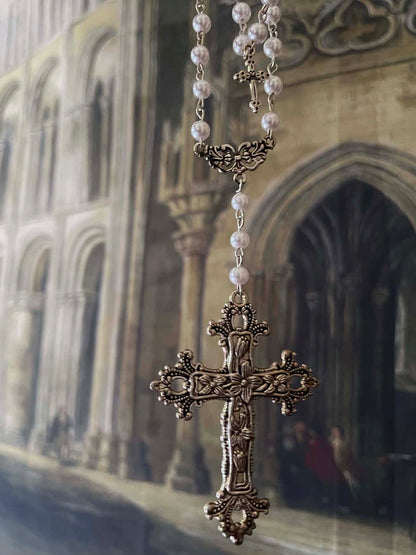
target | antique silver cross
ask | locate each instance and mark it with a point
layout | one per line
(253, 77)
(238, 383)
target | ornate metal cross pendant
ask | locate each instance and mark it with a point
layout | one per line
(253, 77)
(238, 383)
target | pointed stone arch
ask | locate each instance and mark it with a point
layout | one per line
(87, 58)
(286, 203)
(33, 265)
(42, 150)
(96, 73)
(278, 220)
(38, 86)
(7, 93)
(81, 246)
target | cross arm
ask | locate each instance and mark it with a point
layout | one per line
(287, 382)
(189, 384)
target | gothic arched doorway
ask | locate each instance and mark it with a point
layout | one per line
(333, 251)
(91, 285)
(349, 257)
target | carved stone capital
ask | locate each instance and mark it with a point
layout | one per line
(77, 297)
(280, 273)
(380, 296)
(312, 300)
(26, 301)
(351, 284)
(193, 243)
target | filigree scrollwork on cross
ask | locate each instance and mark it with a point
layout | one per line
(226, 158)
(238, 382)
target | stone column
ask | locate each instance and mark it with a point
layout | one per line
(42, 201)
(132, 184)
(348, 382)
(187, 471)
(312, 300)
(330, 352)
(5, 178)
(78, 126)
(63, 340)
(405, 366)
(82, 305)
(22, 338)
(375, 443)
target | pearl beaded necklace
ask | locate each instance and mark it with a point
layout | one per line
(264, 31)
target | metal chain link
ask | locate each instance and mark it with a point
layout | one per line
(240, 220)
(200, 70)
(200, 6)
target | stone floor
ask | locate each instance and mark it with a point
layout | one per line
(282, 532)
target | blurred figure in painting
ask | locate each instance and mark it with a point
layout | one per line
(331, 488)
(344, 457)
(60, 435)
(294, 476)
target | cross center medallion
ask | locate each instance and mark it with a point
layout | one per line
(238, 382)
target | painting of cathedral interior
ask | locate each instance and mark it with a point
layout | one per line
(115, 254)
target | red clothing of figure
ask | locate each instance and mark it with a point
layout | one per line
(320, 461)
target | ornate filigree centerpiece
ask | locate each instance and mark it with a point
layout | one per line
(226, 158)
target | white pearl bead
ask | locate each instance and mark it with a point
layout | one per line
(240, 240)
(239, 275)
(270, 121)
(239, 201)
(200, 55)
(270, 2)
(200, 130)
(240, 44)
(201, 23)
(202, 89)
(273, 85)
(273, 47)
(258, 32)
(273, 15)
(241, 13)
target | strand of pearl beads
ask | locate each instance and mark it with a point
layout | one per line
(272, 48)
(239, 240)
(258, 33)
(264, 32)
(201, 89)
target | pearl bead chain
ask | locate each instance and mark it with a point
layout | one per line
(239, 240)
(241, 13)
(201, 89)
(264, 33)
(258, 33)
